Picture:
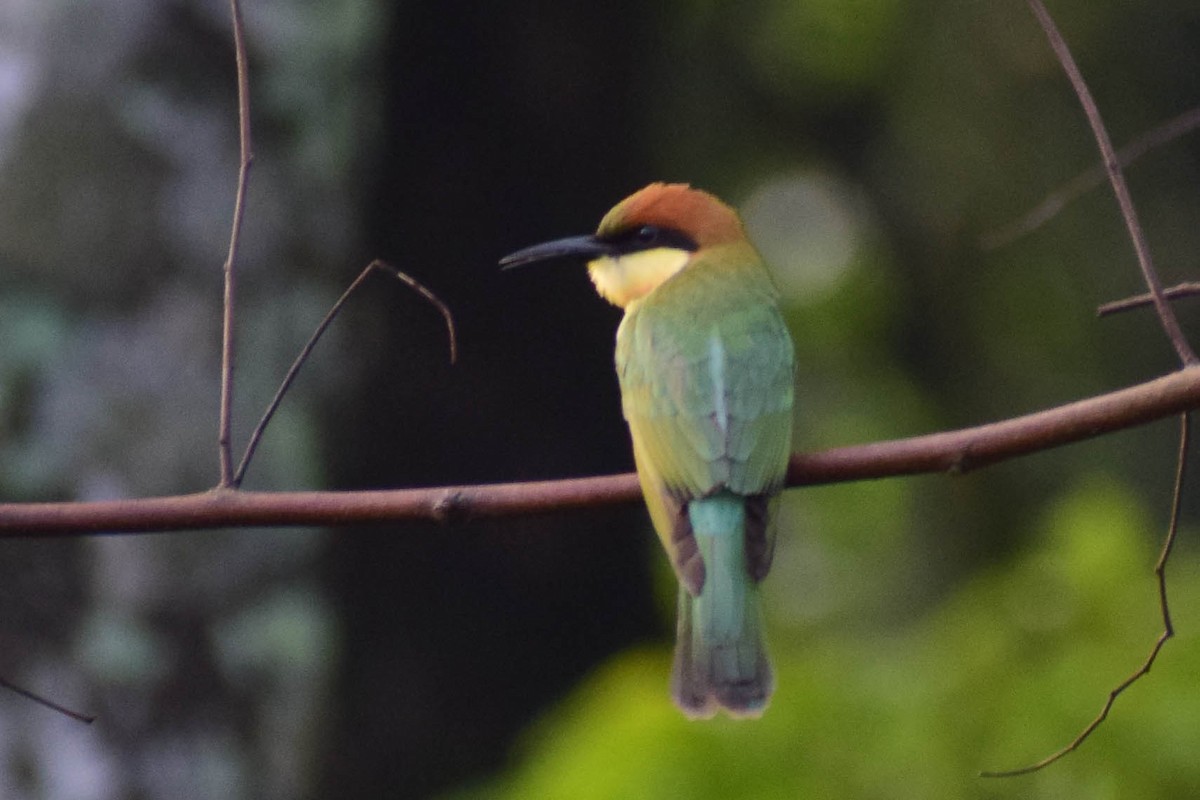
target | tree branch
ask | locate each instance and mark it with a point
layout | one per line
(294, 369)
(1186, 289)
(225, 425)
(1089, 179)
(1116, 177)
(87, 719)
(1164, 607)
(952, 451)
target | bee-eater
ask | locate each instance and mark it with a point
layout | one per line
(705, 365)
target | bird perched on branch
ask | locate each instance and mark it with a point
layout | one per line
(705, 364)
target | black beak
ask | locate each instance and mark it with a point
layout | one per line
(583, 247)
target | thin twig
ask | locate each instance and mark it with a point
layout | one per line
(225, 426)
(947, 452)
(433, 299)
(1089, 179)
(1187, 289)
(75, 715)
(1166, 315)
(256, 436)
(1160, 572)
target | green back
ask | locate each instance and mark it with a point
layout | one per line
(706, 369)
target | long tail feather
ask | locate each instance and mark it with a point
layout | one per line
(720, 655)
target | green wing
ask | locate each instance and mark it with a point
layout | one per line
(706, 370)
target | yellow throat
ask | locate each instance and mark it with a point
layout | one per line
(623, 279)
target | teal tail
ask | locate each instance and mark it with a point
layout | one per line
(720, 657)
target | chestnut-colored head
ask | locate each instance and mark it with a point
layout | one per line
(677, 207)
(644, 240)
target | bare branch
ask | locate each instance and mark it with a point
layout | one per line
(951, 451)
(433, 299)
(1187, 289)
(1160, 572)
(1089, 179)
(256, 436)
(42, 701)
(225, 426)
(220, 508)
(1166, 314)
(970, 448)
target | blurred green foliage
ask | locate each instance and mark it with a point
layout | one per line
(1007, 669)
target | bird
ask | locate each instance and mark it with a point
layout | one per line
(705, 364)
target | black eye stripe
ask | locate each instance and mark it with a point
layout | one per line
(649, 237)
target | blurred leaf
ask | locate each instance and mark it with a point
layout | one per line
(1009, 669)
(826, 46)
